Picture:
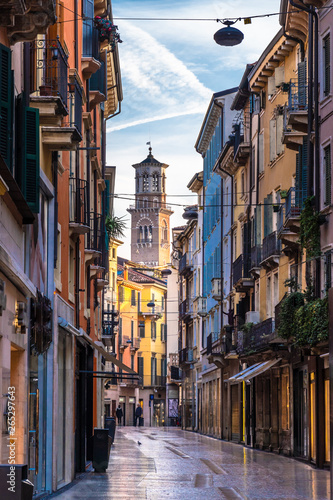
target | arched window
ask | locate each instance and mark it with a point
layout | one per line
(145, 179)
(155, 203)
(140, 233)
(155, 182)
(145, 203)
(150, 234)
(146, 233)
(137, 183)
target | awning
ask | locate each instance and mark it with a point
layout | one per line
(252, 371)
(107, 356)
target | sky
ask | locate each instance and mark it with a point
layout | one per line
(170, 69)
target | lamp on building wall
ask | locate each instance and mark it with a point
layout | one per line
(228, 36)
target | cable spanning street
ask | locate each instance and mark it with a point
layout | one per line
(174, 464)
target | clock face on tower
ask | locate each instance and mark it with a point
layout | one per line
(150, 216)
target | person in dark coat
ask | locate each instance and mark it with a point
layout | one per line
(119, 414)
(138, 413)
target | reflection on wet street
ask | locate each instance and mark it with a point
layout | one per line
(174, 464)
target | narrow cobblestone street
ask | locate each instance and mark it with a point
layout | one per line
(175, 464)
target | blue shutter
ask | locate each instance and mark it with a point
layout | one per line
(6, 106)
(87, 28)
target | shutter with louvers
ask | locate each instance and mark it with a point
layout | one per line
(27, 159)
(272, 140)
(328, 175)
(140, 370)
(258, 225)
(268, 215)
(87, 27)
(302, 90)
(298, 181)
(304, 166)
(327, 65)
(6, 106)
(261, 153)
(279, 131)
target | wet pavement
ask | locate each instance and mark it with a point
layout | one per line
(175, 464)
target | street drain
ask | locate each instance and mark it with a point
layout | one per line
(177, 452)
(230, 493)
(213, 467)
(203, 481)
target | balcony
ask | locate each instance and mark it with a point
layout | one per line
(216, 289)
(123, 342)
(49, 80)
(271, 250)
(258, 338)
(185, 264)
(97, 91)
(241, 149)
(202, 306)
(93, 239)
(90, 50)
(293, 131)
(186, 310)
(242, 279)
(25, 20)
(78, 203)
(255, 259)
(153, 312)
(135, 344)
(187, 356)
(297, 110)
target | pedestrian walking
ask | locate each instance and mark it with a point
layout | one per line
(119, 414)
(138, 413)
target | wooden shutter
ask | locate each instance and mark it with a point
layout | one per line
(327, 64)
(87, 27)
(272, 140)
(268, 215)
(279, 131)
(279, 76)
(328, 176)
(140, 369)
(302, 90)
(304, 166)
(271, 85)
(261, 153)
(27, 153)
(6, 107)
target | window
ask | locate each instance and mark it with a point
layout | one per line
(162, 302)
(139, 301)
(133, 299)
(132, 361)
(120, 331)
(327, 64)
(163, 332)
(153, 371)
(328, 270)
(121, 294)
(253, 167)
(140, 370)
(153, 330)
(132, 330)
(145, 179)
(269, 297)
(137, 184)
(71, 273)
(243, 183)
(261, 153)
(328, 176)
(155, 182)
(142, 330)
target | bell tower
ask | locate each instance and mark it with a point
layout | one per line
(150, 216)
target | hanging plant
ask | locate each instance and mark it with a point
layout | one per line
(107, 31)
(311, 322)
(309, 229)
(287, 316)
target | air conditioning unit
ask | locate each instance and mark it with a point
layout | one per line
(3, 298)
(252, 317)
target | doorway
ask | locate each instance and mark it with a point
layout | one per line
(300, 395)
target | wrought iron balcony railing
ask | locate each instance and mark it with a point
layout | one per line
(94, 237)
(49, 76)
(255, 256)
(258, 337)
(294, 202)
(297, 96)
(270, 246)
(76, 92)
(241, 268)
(185, 308)
(184, 263)
(78, 201)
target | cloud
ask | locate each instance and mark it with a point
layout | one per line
(160, 85)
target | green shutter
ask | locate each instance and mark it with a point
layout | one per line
(328, 176)
(31, 158)
(6, 106)
(302, 90)
(304, 165)
(327, 65)
(268, 215)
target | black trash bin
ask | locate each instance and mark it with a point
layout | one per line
(15, 477)
(101, 449)
(110, 423)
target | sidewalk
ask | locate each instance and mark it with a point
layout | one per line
(175, 464)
